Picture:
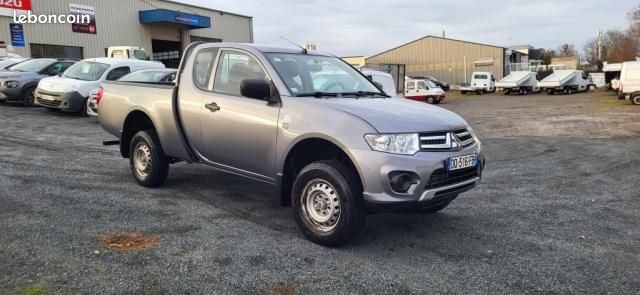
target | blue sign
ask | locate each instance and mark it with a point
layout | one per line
(17, 35)
(193, 21)
(186, 19)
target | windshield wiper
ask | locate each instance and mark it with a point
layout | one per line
(365, 93)
(318, 94)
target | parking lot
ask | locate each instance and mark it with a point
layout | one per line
(558, 212)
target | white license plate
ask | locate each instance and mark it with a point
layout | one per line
(462, 162)
(47, 97)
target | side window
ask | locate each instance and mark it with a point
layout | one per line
(118, 73)
(202, 67)
(233, 67)
(139, 54)
(422, 85)
(119, 54)
(411, 86)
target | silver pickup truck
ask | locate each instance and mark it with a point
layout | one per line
(334, 144)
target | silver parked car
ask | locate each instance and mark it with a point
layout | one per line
(337, 148)
(19, 82)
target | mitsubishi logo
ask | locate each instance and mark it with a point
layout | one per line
(455, 141)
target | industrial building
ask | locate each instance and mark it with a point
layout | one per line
(449, 60)
(162, 27)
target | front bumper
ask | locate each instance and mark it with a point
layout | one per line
(434, 186)
(11, 94)
(68, 102)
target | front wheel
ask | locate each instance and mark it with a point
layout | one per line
(149, 164)
(29, 99)
(84, 107)
(328, 204)
(430, 100)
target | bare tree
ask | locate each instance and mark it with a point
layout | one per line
(567, 50)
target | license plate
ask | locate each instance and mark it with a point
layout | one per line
(47, 97)
(462, 162)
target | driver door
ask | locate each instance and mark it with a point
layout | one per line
(239, 133)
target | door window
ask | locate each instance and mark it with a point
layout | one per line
(233, 68)
(422, 85)
(118, 73)
(202, 67)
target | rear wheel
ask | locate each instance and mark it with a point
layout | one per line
(149, 164)
(479, 92)
(29, 99)
(636, 99)
(84, 107)
(430, 100)
(551, 91)
(463, 92)
(328, 204)
(507, 91)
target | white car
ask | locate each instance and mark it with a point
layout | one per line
(69, 92)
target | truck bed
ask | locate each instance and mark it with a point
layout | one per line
(517, 79)
(153, 99)
(559, 78)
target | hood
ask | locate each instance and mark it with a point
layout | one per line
(59, 84)
(4, 75)
(397, 115)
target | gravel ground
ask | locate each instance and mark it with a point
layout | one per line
(558, 212)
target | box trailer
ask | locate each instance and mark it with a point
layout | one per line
(521, 82)
(566, 82)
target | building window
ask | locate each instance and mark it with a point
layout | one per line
(55, 51)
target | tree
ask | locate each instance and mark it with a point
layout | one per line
(547, 56)
(567, 50)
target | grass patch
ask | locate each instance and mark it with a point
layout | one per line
(34, 290)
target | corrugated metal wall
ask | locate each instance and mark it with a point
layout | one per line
(443, 58)
(118, 24)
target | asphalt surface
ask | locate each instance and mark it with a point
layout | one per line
(554, 214)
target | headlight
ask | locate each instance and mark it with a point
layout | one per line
(11, 84)
(475, 137)
(403, 144)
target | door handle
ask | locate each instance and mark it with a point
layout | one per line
(213, 107)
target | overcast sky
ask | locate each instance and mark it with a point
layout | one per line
(350, 27)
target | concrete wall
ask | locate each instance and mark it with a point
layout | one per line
(118, 23)
(443, 58)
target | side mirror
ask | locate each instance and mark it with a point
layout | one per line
(257, 89)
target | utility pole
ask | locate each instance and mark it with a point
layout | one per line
(444, 32)
(599, 45)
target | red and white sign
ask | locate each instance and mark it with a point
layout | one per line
(9, 7)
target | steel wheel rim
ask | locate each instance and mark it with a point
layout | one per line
(636, 100)
(142, 160)
(321, 205)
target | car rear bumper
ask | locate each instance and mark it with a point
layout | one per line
(68, 102)
(433, 183)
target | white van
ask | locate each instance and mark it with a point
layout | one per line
(128, 52)
(69, 91)
(383, 79)
(630, 81)
(481, 82)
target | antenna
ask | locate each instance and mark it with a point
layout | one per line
(304, 50)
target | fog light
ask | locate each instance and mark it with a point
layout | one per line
(401, 182)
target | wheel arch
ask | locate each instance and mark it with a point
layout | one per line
(135, 121)
(306, 150)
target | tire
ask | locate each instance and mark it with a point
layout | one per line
(29, 98)
(84, 107)
(436, 209)
(332, 222)
(507, 91)
(430, 100)
(636, 99)
(479, 92)
(551, 91)
(149, 165)
(463, 92)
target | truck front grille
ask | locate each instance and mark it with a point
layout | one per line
(445, 141)
(442, 177)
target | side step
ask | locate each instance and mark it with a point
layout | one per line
(111, 142)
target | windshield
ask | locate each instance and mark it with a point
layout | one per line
(431, 84)
(147, 76)
(9, 61)
(33, 66)
(86, 71)
(306, 75)
(481, 77)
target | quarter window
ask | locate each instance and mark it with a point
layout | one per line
(202, 67)
(422, 85)
(233, 68)
(411, 86)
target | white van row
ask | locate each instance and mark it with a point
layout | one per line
(630, 81)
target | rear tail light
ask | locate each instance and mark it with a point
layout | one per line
(99, 95)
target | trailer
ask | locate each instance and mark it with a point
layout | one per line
(521, 82)
(566, 82)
